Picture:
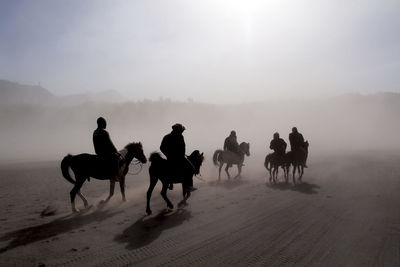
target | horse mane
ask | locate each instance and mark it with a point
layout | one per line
(133, 144)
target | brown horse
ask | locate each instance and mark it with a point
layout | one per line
(298, 160)
(224, 156)
(273, 162)
(85, 166)
(159, 170)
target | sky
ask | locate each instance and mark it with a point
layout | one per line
(211, 51)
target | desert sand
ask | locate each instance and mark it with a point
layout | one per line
(346, 212)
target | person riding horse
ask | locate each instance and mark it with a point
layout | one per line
(173, 147)
(231, 144)
(105, 149)
(297, 142)
(278, 145)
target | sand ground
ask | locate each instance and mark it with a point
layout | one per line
(345, 213)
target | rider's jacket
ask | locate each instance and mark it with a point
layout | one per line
(296, 141)
(173, 146)
(231, 144)
(278, 145)
(103, 146)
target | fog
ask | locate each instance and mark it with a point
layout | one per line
(346, 123)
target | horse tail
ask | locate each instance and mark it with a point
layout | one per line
(65, 164)
(267, 160)
(215, 157)
(154, 157)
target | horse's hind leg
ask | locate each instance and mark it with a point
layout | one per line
(219, 171)
(227, 172)
(294, 173)
(122, 187)
(164, 195)
(85, 202)
(153, 182)
(78, 184)
(112, 187)
(186, 194)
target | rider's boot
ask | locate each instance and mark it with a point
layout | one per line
(171, 186)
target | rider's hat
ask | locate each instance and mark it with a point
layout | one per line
(233, 133)
(178, 127)
(276, 135)
(294, 129)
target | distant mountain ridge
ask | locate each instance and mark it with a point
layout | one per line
(15, 93)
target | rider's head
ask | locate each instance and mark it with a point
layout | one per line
(294, 130)
(177, 127)
(101, 123)
(233, 133)
(276, 135)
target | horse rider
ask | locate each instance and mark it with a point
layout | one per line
(278, 145)
(173, 147)
(297, 142)
(231, 144)
(104, 147)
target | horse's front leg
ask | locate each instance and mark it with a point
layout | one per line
(122, 187)
(239, 166)
(164, 195)
(294, 173)
(186, 194)
(301, 168)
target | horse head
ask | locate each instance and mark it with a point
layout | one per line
(136, 151)
(306, 145)
(245, 148)
(196, 158)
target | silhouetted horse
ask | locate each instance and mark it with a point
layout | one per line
(273, 162)
(298, 160)
(228, 157)
(159, 170)
(85, 166)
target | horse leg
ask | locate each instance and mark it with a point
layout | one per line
(239, 166)
(301, 172)
(294, 173)
(227, 172)
(122, 187)
(78, 184)
(219, 170)
(153, 182)
(164, 195)
(112, 186)
(85, 202)
(186, 194)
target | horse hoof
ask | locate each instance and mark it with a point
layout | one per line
(148, 212)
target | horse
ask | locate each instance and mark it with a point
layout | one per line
(298, 159)
(273, 162)
(86, 165)
(159, 170)
(228, 157)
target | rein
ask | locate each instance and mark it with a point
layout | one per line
(134, 163)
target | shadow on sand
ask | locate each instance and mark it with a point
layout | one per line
(229, 184)
(304, 187)
(144, 231)
(59, 226)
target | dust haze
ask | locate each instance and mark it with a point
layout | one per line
(43, 132)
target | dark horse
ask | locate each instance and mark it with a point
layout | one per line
(298, 160)
(273, 162)
(85, 166)
(228, 157)
(158, 170)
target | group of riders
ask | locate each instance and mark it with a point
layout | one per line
(278, 145)
(173, 147)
